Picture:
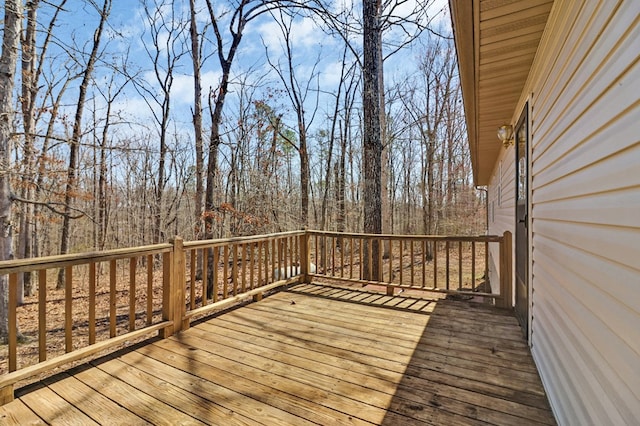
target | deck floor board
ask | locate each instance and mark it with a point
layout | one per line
(312, 354)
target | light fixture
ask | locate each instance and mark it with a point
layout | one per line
(505, 134)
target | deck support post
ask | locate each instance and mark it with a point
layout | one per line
(506, 287)
(173, 287)
(305, 259)
(6, 395)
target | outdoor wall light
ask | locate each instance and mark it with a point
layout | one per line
(505, 134)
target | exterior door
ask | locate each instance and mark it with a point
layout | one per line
(522, 222)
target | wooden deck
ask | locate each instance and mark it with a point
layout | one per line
(310, 355)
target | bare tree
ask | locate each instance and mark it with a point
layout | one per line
(74, 143)
(196, 59)
(167, 31)
(31, 70)
(298, 93)
(8, 62)
(110, 93)
(236, 15)
(344, 98)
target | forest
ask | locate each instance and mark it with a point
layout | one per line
(213, 118)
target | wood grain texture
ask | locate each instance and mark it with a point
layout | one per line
(312, 354)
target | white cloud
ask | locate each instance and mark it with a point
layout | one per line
(304, 34)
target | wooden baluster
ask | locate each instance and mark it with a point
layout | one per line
(401, 260)
(112, 297)
(132, 293)
(275, 259)
(305, 258)
(333, 256)
(411, 254)
(179, 277)
(284, 245)
(370, 259)
(193, 264)
(473, 266)
(424, 263)
(390, 260)
(486, 260)
(302, 267)
(225, 272)
(435, 263)
(266, 262)
(252, 265)
(361, 257)
(234, 270)
(214, 273)
(167, 283)
(460, 265)
(150, 289)
(379, 260)
(205, 274)
(260, 263)
(341, 246)
(351, 257)
(316, 253)
(68, 309)
(446, 247)
(325, 256)
(13, 322)
(42, 310)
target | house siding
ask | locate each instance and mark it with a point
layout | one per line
(502, 195)
(584, 96)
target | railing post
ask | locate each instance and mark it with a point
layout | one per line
(173, 264)
(179, 277)
(506, 295)
(305, 258)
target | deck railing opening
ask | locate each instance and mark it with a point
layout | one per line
(113, 298)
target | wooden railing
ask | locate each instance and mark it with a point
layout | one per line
(446, 264)
(113, 298)
(220, 273)
(108, 298)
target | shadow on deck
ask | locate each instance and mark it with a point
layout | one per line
(311, 354)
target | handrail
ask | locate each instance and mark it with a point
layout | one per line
(63, 260)
(244, 239)
(466, 238)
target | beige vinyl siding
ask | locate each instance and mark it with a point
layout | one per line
(585, 192)
(502, 192)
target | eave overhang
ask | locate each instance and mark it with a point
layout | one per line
(496, 42)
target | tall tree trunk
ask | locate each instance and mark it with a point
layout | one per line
(8, 62)
(304, 176)
(197, 124)
(28, 102)
(103, 212)
(341, 182)
(386, 212)
(372, 143)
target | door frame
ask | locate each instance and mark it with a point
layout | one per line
(523, 248)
